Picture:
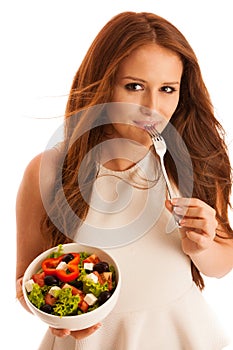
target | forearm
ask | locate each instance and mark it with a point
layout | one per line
(19, 294)
(216, 261)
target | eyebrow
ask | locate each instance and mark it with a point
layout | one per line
(144, 81)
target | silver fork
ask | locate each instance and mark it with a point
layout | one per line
(161, 149)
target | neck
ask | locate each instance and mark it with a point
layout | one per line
(121, 154)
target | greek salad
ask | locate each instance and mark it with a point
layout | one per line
(71, 284)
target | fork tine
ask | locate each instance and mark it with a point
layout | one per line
(152, 130)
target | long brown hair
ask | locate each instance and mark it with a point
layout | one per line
(193, 119)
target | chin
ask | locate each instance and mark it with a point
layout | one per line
(142, 138)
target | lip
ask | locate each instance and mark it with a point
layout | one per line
(143, 123)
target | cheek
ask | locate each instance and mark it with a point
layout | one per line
(169, 107)
(118, 94)
(121, 112)
(167, 110)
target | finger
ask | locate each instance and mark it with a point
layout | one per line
(196, 212)
(201, 240)
(182, 211)
(193, 223)
(207, 226)
(60, 332)
(85, 332)
(180, 207)
(168, 205)
(188, 202)
(19, 290)
(184, 202)
(183, 232)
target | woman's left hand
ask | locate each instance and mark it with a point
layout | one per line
(78, 335)
(198, 223)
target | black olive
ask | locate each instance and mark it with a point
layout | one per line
(68, 257)
(50, 280)
(101, 267)
(77, 284)
(46, 308)
(103, 297)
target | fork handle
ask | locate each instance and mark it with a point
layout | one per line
(169, 189)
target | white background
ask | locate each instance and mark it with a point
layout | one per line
(42, 45)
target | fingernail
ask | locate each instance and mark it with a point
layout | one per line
(178, 210)
(173, 201)
(182, 222)
(66, 332)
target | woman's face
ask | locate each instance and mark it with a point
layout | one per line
(148, 86)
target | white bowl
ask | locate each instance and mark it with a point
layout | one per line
(85, 320)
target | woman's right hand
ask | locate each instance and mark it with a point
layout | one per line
(78, 335)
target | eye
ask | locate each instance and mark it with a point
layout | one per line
(134, 87)
(168, 89)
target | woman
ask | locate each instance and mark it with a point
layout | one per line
(139, 71)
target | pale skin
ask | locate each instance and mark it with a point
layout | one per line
(149, 77)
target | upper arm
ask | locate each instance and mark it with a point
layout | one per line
(30, 211)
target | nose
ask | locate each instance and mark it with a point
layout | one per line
(146, 111)
(149, 104)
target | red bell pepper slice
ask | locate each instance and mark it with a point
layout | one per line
(49, 267)
(70, 276)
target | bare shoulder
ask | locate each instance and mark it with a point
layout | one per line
(41, 171)
(31, 208)
(30, 180)
(46, 161)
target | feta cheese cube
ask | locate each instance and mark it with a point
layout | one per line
(88, 266)
(90, 299)
(62, 266)
(29, 285)
(53, 289)
(92, 277)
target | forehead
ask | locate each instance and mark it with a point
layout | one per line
(151, 59)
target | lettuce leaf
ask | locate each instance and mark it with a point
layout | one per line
(90, 286)
(57, 253)
(36, 296)
(66, 304)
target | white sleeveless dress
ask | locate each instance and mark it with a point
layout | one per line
(160, 307)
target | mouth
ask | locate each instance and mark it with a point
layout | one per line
(144, 124)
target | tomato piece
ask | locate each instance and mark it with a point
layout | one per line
(50, 299)
(39, 278)
(74, 290)
(100, 278)
(92, 259)
(107, 276)
(83, 306)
